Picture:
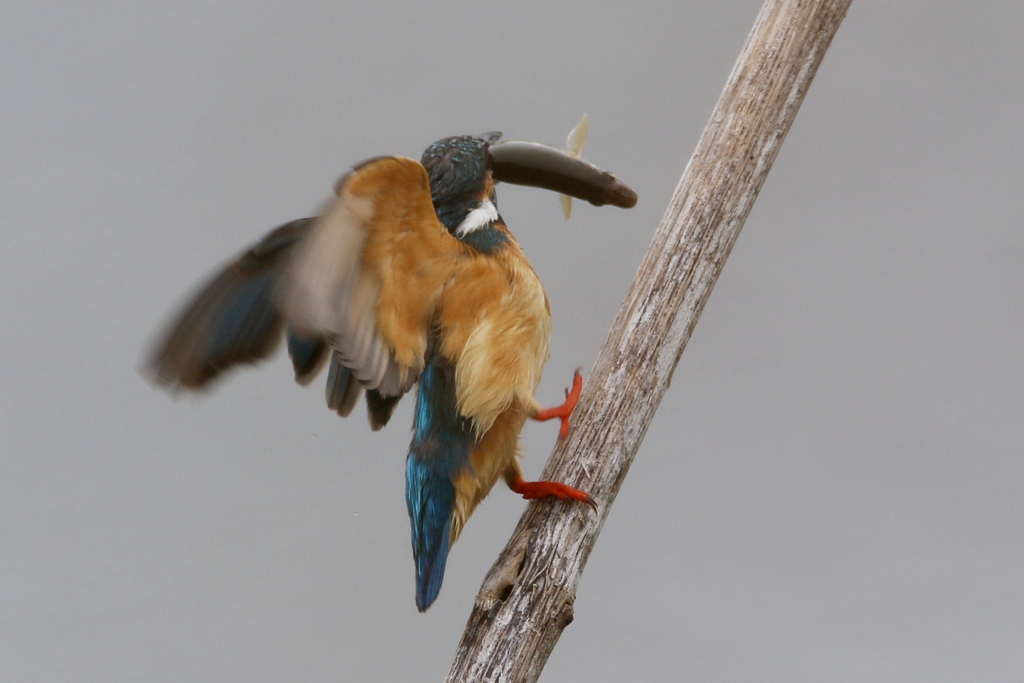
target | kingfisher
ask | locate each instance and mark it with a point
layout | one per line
(409, 279)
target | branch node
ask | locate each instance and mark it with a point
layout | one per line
(502, 578)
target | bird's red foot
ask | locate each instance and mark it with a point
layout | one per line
(563, 411)
(532, 490)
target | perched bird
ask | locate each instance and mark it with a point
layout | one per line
(410, 278)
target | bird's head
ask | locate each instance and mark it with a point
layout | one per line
(458, 167)
(464, 169)
(461, 186)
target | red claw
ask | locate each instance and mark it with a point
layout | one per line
(533, 490)
(563, 411)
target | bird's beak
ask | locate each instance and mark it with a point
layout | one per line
(537, 165)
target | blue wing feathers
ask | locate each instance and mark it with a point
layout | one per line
(307, 355)
(232, 319)
(243, 320)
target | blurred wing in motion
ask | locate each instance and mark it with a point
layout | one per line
(231, 320)
(357, 285)
(367, 278)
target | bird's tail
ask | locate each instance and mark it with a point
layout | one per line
(431, 498)
(439, 453)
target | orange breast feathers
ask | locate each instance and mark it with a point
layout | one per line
(494, 324)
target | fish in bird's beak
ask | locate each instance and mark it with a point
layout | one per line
(537, 165)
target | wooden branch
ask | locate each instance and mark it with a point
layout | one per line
(527, 598)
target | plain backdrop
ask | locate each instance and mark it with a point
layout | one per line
(832, 490)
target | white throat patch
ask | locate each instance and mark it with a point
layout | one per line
(479, 217)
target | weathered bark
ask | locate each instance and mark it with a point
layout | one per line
(527, 598)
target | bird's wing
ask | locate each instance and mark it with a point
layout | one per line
(368, 276)
(232, 319)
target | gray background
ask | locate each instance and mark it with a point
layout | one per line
(833, 489)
